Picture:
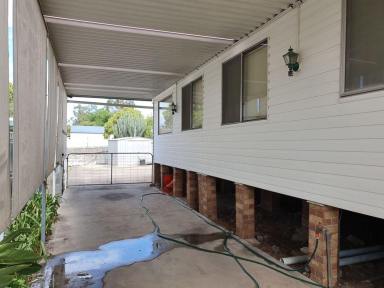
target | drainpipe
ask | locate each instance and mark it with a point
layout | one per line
(361, 258)
(347, 257)
(328, 247)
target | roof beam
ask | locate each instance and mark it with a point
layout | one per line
(136, 30)
(110, 104)
(118, 69)
(70, 95)
(69, 84)
(107, 90)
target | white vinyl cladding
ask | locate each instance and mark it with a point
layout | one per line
(315, 145)
(5, 197)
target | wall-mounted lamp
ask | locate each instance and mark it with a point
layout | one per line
(173, 108)
(290, 59)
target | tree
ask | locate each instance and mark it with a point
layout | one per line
(11, 99)
(148, 133)
(90, 115)
(120, 102)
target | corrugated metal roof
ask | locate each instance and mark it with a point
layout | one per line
(87, 129)
(95, 47)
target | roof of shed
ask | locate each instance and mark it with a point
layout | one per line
(87, 129)
(118, 48)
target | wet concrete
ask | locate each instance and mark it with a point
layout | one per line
(88, 268)
(116, 196)
(88, 220)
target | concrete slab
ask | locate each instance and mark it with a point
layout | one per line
(91, 216)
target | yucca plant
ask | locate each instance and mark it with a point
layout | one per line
(129, 125)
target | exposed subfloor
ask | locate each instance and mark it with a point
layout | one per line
(91, 216)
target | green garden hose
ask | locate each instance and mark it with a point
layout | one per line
(227, 235)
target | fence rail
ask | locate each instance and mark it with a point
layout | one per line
(109, 168)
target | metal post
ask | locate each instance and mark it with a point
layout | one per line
(54, 182)
(111, 168)
(45, 159)
(43, 211)
(67, 172)
(153, 171)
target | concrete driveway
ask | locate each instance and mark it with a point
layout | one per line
(92, 216)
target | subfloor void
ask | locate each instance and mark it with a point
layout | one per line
(281, 230)
(92, 216)
(359, 231)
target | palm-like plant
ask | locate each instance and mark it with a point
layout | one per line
(21, 250)
(14, 260)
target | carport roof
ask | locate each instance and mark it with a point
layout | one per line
(135, 49)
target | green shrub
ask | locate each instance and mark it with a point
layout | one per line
(16, 263)
(22, 242)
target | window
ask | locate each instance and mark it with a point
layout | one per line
(192, 105)
(244, 95)
(231, 90)
(165, 116)
(364, 62)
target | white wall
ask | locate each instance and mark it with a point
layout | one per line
(83, 140)
(314, 145)
(131, 145)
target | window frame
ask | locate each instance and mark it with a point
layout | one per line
(343, 54)
(191, 105)
(258, 45)
(158, 115)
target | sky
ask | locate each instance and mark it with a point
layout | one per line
(145, 112)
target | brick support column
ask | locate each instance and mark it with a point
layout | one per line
(245, 211)
(270, 201)
(164, 170)
(157, 176)
(207, 196)
(192, 190)
(178, 185)
(323, 221)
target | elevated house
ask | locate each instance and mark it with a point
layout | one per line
(277, 103)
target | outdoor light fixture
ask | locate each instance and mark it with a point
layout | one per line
(173, 108)
(290, 59)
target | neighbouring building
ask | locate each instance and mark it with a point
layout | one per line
(87, 137)
(131, 150)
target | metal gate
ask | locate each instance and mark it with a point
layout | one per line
(109, 168)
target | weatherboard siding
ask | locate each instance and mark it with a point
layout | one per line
(315, 145)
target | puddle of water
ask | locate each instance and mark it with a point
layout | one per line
(198, 239)
(88, 268)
